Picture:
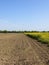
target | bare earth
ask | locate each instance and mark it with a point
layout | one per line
(18, 49)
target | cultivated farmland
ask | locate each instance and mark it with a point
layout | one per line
(18, 49)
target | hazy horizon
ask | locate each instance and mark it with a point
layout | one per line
(24, 15)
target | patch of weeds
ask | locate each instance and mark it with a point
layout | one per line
(48, 45)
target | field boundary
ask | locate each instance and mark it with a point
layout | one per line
(38, 39)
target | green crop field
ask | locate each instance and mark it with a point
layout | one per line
(40, 36)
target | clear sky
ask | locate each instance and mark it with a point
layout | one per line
(24, 14)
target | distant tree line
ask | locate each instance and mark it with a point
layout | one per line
(5, 31)
(35, 31)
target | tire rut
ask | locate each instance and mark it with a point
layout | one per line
(44, 56)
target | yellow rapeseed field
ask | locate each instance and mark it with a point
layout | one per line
(41, 36)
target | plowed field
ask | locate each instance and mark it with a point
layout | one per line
(18, 49)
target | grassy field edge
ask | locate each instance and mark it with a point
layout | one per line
(38, 38)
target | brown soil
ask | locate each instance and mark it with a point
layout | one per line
(18, 49)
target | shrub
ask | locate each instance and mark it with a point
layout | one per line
(5, 31)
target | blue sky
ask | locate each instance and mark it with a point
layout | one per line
(24, 15)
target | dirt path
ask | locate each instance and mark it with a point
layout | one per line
(18, 49)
